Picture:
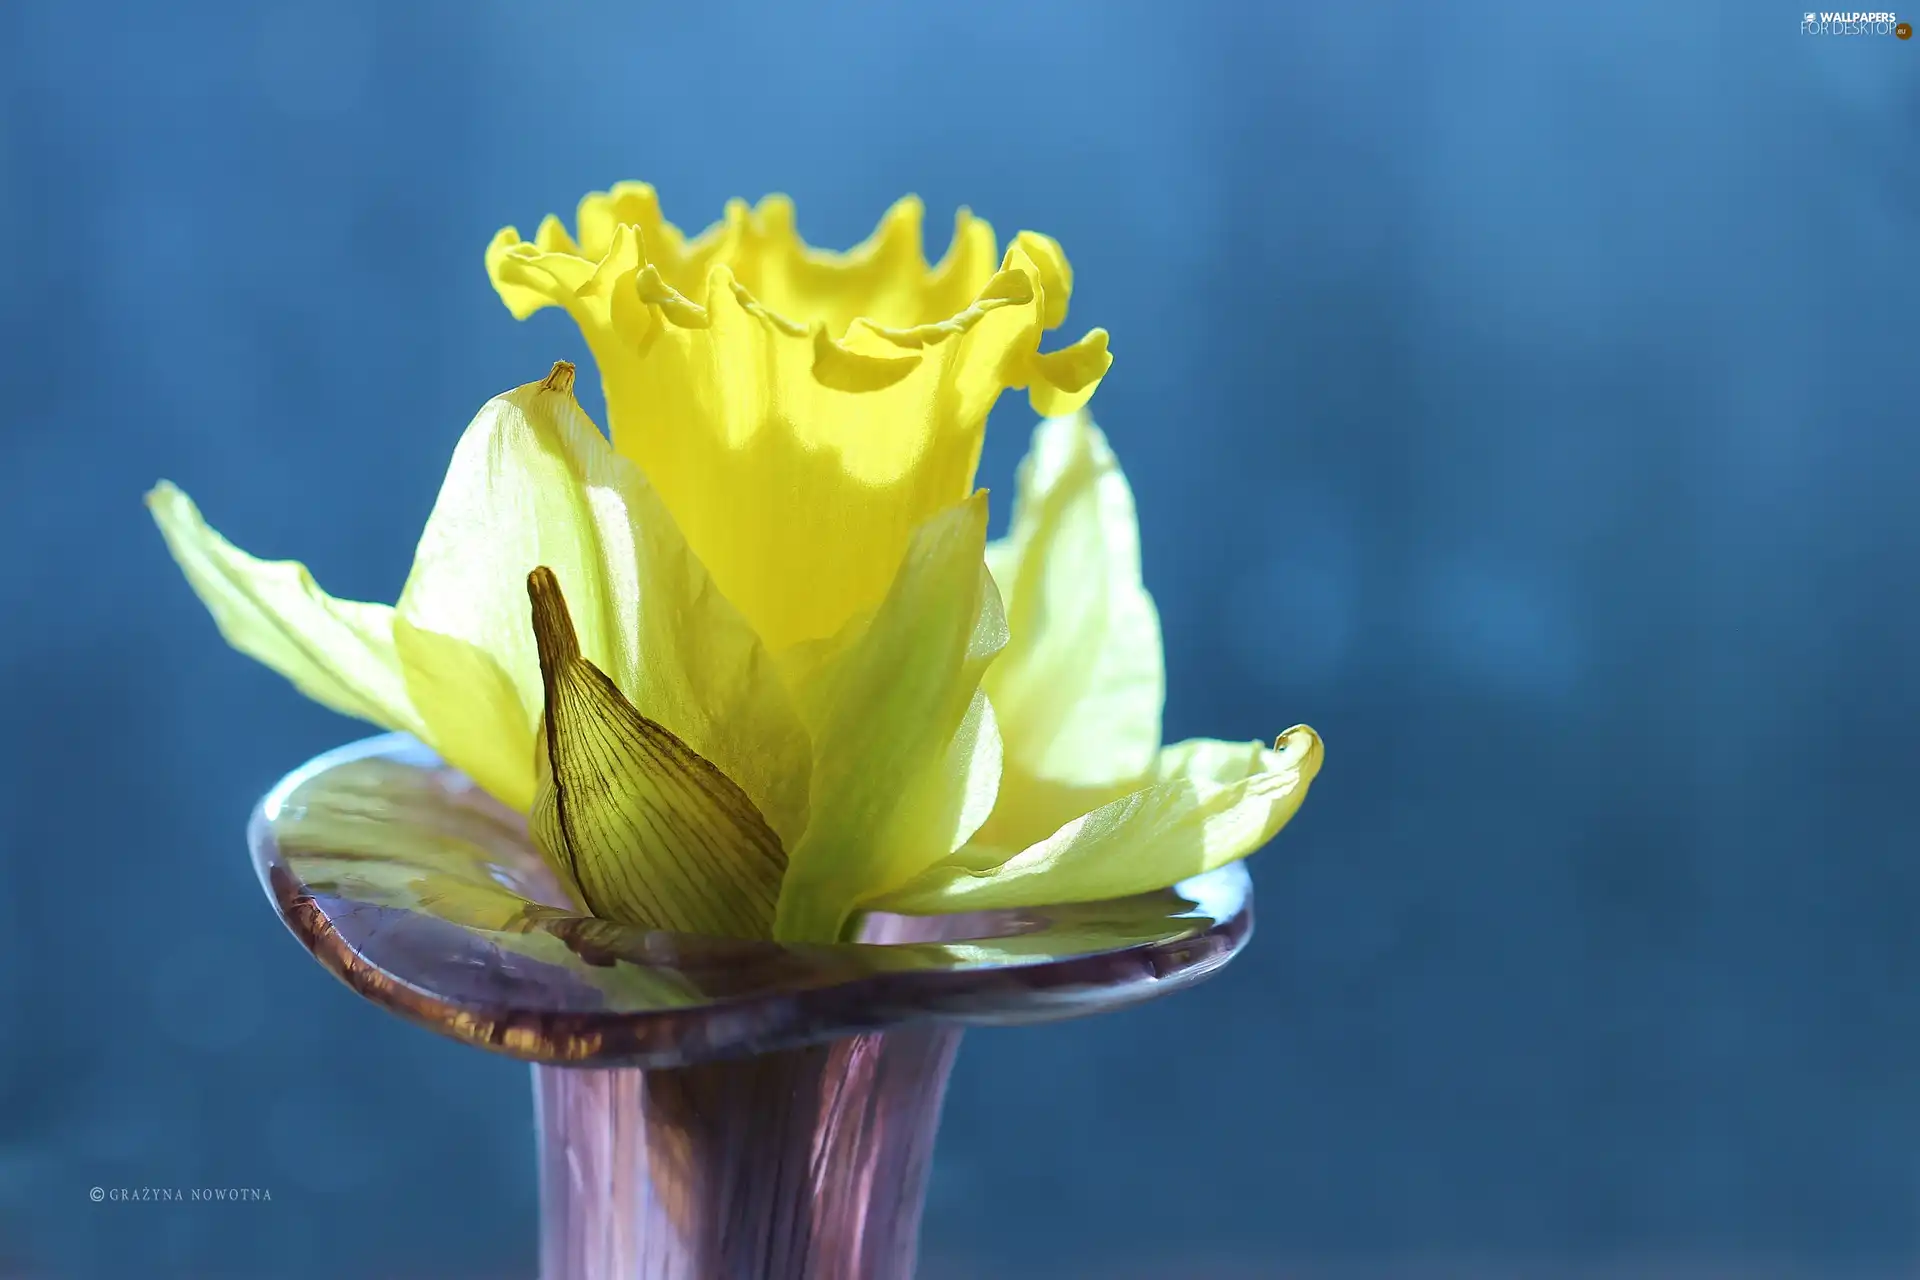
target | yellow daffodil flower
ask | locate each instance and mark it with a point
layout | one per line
(752, 666)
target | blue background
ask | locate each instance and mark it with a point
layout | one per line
(1524, 399)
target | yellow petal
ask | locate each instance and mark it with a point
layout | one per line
(802, 413)
(471, 711)
(340, 653)
(648, 833)
(533, 482)
(1212, 802)
(906, 756)
(1079, 688)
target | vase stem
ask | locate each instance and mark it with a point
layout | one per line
(806, 1164)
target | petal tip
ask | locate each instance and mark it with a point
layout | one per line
(1303, 745)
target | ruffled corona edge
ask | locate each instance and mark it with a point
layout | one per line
(872, 315)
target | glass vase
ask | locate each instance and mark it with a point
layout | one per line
(709, 1109)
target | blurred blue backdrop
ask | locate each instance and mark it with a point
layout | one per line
(1523, 398)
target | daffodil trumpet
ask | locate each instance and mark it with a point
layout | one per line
(750, 666)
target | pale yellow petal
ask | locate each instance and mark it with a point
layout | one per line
(518, 494)
(646, 831)
(1211, 803)
(533, 482)
(472, 711)
(1079, 688)
(905, 752)
(340, 653)
(976, 757)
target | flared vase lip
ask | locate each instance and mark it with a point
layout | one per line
(397, 874)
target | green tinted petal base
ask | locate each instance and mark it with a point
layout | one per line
(708, 1107)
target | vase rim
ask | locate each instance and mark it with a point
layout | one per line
(350, 845)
